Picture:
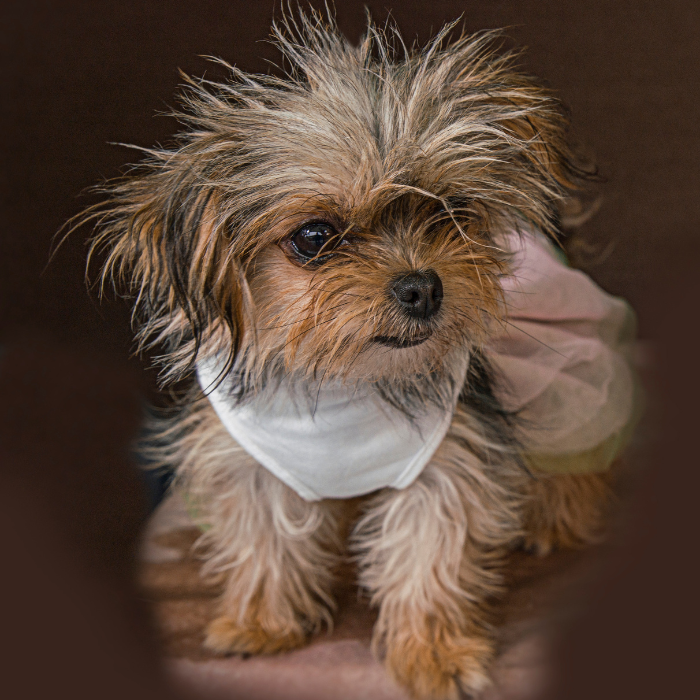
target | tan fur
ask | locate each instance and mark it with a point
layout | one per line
(429, 555)
(276, 550)
(417, 160)
(567, 510)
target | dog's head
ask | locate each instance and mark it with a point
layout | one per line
(342, 221)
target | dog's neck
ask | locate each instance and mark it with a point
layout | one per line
(409, 394)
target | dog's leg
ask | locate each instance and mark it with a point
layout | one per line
(277, 552)
(566, 510)
(428, 556)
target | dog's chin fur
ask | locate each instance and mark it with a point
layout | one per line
(417, 161)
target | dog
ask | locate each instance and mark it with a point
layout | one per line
(333, 260)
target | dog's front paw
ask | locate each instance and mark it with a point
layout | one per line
(542, 537)
(566, 511)
(227, 636)
(439, 666)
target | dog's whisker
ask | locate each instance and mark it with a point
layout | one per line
(304, 319)
(529, 335)
(312, 328)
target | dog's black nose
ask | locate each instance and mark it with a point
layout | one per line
(419, 293)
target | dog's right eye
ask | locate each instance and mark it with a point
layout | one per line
(314, 240)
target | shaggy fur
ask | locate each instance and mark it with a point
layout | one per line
(413, 160)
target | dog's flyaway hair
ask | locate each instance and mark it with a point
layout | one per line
(352, 225)
(453, 130)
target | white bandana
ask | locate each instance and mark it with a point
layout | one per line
(344, 444)
(563, 365)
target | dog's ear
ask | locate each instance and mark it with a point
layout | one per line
(164, 241)
(495, 134)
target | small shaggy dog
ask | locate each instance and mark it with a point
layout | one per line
(335, 260)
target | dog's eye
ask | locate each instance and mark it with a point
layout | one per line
(315, 239)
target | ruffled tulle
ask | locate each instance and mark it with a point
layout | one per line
(563, 361)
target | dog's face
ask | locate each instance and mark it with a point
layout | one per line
(342, 222)
(369, 285)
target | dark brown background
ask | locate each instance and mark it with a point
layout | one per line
(78, 75)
